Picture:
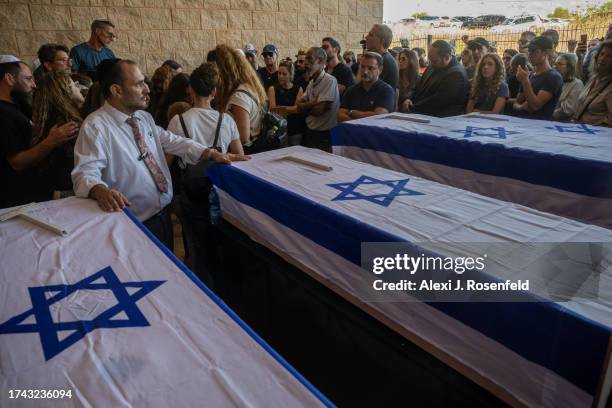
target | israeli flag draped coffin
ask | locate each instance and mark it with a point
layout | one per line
(562, 168)
(538, 354)
(111, 318)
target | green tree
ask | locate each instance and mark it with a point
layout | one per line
(606, 7)
(560, 12)
(420, 14)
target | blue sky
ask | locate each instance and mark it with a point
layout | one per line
(397, 9)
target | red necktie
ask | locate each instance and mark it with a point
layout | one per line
(145, 154)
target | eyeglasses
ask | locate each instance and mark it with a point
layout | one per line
(64, 60)
(267, 54)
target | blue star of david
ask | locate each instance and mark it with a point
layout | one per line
(348, 190)
(48, 329)
(574, 129)
(495, 132)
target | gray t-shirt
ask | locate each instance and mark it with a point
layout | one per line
(323, 88)
(486, 101)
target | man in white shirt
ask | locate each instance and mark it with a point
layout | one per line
(119, 154)
(320, 101)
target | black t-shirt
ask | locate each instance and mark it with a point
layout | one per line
(285, 97)
(267, 79)
(301, 81)
(390, 72)
(343, 75)
(380, 95)
(550, 81)
(22, 187)
(513, 85)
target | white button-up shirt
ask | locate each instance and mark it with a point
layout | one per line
(106, 153)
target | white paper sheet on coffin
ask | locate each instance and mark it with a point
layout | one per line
(192, 354)
(530, 134)
(442, 213)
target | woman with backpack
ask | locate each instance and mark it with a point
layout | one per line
(215, 130)
(240, 93)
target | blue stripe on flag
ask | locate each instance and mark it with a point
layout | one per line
(581, 176)
(542, 332)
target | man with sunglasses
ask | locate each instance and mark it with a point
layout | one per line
(268, 74)
(86, 56)
(524, 40)
(300, 76)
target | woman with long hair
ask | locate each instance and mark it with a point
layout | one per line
(55, 103)
(240, 93)
(408, 74)
(566, 64)
(160, 81)
(594, 106)
(507, 58)
(177, 92)
(285, 93)
(489, 88)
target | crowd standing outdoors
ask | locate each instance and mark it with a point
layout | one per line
(88, 123)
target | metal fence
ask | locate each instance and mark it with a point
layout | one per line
(594, 28)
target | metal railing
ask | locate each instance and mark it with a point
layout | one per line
(593, 28)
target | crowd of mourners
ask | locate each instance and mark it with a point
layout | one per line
(87, 123)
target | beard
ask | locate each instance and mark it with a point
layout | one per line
(23, 100)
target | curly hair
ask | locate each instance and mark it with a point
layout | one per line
(489, 86)
(204, 79)
(235, 70)
(53, 104)
(160, 81)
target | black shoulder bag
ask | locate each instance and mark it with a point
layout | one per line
(196, 184)
(273, 131)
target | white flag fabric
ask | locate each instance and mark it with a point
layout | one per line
(562, 168)
(529, 353)
(109, 316)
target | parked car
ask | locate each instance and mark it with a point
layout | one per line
(432, 22)
(457, 22)
(557, 23)
(520, 23)
(487, 21)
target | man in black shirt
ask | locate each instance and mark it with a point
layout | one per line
(443, 88)
(269, 73)
(540, 91)
(300, 76)
(335, 67)
(370, 96)
(19, 182)
(378, 40)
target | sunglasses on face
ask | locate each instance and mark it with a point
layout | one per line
(267, 54)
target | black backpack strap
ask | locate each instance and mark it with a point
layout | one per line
(183, 126)
(214, 145)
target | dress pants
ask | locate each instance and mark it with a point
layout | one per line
(160, 225)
